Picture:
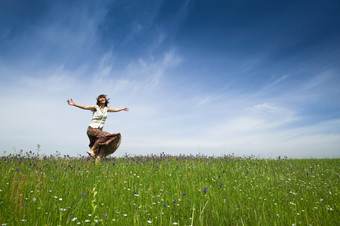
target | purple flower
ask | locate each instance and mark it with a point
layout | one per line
(184, 194)
(307, 173)
(82, 194)
(205, 189)
(17, 170)
(174, 202)
(105, 214)
(221, 185)
(164, 204)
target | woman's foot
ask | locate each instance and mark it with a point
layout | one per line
(91, 154)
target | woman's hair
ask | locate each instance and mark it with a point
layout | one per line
(107, 99)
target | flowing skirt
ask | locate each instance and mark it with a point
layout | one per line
(104, 143)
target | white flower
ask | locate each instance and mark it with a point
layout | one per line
(125, 215)
(149, 222)
(175, 223)
(74, 219)
(87, 221)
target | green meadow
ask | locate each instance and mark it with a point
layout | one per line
(168, 190)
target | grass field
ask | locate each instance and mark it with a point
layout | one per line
(168, 190)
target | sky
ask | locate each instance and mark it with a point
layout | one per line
(249, 78)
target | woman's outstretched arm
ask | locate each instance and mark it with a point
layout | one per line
(117, 109)
(72, 103)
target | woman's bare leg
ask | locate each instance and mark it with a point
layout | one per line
(98, 159)
(92, 151)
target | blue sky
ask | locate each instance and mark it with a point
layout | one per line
(200, 77)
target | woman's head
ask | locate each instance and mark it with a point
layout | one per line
(102, 100)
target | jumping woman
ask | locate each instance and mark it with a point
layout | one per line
(102, 143)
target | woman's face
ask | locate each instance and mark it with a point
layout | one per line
(102, 100)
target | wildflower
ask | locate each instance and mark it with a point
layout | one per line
(175, 223)
(125, 215)
(307, 173)
(17, 170)
(74, 219)
(221, 185)
(87, 221)
(105, 214)
(82, 194)
(174, 202)
(149, 222)
(184, 194)
(164, 204)
(205, 189)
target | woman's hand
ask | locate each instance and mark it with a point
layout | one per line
(126, 109)
(71, 102)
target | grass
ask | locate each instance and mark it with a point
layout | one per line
(168, 190)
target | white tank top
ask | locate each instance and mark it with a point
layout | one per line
(98, 118)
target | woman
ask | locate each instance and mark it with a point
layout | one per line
(102, 143)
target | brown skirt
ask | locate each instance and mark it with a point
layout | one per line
(104, 143)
